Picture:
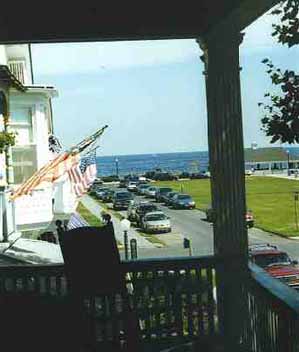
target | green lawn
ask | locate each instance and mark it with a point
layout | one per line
(88, 216)
(271, 200)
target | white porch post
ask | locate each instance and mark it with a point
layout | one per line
(226, 153)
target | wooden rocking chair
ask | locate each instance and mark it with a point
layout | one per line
(96, 282)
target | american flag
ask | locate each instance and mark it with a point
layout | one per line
(76, 221)
(83, 174)
(51, 172)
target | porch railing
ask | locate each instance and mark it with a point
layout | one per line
(174, 301)
(273, 319)
(173, 298)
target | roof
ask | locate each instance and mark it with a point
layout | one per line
(266, 154)
(105, 20)
(265, 252)
(7, 76)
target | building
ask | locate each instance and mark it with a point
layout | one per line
(26, 111)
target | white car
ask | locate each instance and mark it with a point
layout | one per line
(132, 186)
(156, 221)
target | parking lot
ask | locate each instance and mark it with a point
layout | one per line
(192, 224)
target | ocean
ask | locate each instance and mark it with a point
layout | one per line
(139, 164)
(172, 162)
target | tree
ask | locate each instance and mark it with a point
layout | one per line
(281, 119)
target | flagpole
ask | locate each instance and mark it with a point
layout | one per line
(78, 148)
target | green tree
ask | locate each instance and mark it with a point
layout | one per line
(281, 118)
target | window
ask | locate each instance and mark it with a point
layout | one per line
(21, 122)
(24, 162)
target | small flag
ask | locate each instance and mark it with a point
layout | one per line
(76, 221)
(83, 174)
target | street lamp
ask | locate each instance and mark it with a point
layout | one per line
(125, 225)
(288, 154)
(116, 166)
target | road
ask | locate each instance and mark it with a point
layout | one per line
(192, 224)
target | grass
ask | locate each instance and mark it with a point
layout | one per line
(88, 216)
(152, 238)
(271, 200)
(92, 219)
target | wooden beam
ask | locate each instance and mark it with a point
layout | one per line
(245, 14)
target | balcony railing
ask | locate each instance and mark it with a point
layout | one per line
(17, 68)
(273, 319)
(174, 302)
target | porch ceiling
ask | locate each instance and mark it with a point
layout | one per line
(105, 20)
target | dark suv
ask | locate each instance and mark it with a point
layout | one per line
(160, 192)
(276, 262)
(121, 200)
(143, 209)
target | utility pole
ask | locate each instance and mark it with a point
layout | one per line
(296, 197)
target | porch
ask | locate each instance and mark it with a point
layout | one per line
(173, 299)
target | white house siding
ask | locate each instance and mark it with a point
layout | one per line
(3, 58)
(37, 208)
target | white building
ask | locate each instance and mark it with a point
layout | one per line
(29, 112)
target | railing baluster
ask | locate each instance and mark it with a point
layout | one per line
(178, 307)
(211, 303)
(189, 303)
(156, 301)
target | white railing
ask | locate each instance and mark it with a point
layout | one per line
(18, 69)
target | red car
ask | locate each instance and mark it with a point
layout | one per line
(276, 262)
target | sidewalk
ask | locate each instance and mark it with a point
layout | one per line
(278, 175)
(95, 208)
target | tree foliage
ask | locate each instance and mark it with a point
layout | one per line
(287, 31)
(281, 119)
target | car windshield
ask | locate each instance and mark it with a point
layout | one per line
(152, 189)
(267, 260)
(155, 217)
(123, 195)
(147, 208)
(183, 196)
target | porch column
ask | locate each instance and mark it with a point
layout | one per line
(226, 154)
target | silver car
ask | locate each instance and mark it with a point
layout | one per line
(156, 221)
(150, 192)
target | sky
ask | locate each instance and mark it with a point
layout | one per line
(150, 93)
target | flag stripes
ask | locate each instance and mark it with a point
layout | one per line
(83, 174)
(48, 173)
(76, 221)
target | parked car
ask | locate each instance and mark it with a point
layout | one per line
(122, 183)
(141, 187)
(150, 192)
(182, 201)
(131, 212)
(107, 196)
(132, 186)
(156, 222)
(248, 217)
(142, 209)
(167, 198)
(160, 192)
(99, 192)
(121, 200)
(164, 176)
(276, 262)
(184, 174)
(198, 176)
